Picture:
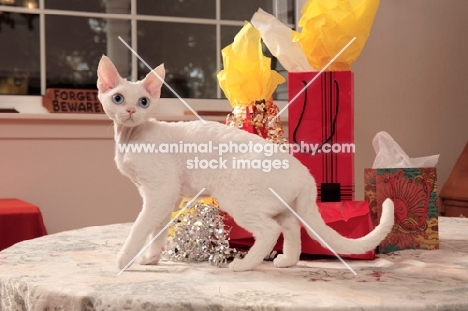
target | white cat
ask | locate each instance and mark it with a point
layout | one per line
(162, 178)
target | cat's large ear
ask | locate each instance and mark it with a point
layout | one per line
(154, 81)
(108, 76)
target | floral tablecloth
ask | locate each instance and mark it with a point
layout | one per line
(76, 270)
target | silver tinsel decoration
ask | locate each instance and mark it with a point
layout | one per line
(200, 235)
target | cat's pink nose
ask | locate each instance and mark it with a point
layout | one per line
(130, 110)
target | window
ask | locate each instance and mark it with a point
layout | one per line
(60, 44)
(20, 56)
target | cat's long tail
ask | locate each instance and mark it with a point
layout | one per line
(306, 208)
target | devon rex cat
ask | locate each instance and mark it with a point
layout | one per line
(162, 178)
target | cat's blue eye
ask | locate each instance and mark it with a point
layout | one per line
(144, 102)
(118, 99)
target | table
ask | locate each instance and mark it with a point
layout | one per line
(19, 221)
(76, 270)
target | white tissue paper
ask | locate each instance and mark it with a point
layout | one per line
(278, 38)
(390, 154)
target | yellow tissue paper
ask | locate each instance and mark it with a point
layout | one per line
(328, 25)
(247, 76)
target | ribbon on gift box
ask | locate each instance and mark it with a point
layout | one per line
(198, 233)
(190, 209)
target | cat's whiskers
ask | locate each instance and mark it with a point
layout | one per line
(125, 118)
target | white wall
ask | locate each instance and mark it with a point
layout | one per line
(411, 81)
(66, 168)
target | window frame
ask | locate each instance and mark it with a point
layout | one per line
(32, 103)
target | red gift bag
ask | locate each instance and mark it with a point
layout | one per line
(322, 115)
(351, 219)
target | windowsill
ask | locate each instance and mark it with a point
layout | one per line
(95, 117)
(169, 109)
(33, 125)
(52, 116)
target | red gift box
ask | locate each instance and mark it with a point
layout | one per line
(322, 114)
(349, 218)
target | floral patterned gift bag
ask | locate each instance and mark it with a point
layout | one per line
(414, 193)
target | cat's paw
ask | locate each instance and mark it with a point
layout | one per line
(123, 259)
(147, 259)
(239, 265)
(281, 261)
